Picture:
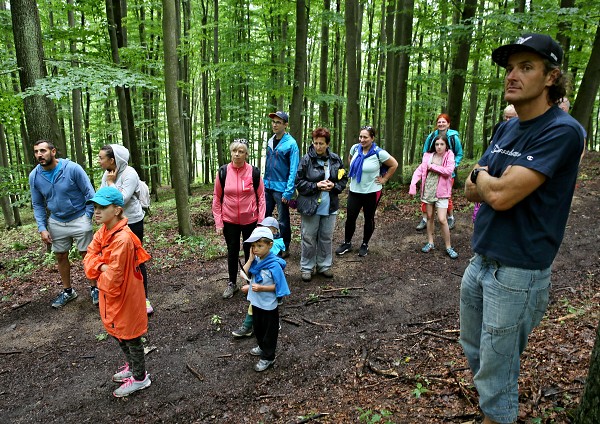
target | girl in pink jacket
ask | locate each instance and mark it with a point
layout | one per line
(435, 174)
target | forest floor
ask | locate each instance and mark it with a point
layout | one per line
(379, 340)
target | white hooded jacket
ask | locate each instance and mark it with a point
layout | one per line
(127, 183)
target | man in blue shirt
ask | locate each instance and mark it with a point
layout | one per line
(281, 166)
(62, 187)
(525, 181)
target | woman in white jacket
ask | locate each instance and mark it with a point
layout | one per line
(113, 159)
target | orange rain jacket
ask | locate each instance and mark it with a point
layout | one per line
(122, 297)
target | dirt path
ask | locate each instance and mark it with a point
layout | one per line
(388, 343)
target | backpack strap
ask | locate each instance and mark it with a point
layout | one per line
(452, 143)
(255, 181)
(222, 177)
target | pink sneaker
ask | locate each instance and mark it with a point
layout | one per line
(123, 374)
(131, 385)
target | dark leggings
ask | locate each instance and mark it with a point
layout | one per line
(232, 234)
(138, 229)
(368, 203)
(266, 330)
(134, 352)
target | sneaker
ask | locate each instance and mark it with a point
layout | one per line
(63, 298)
(94, 294)
(243, 331)
(328, 273)
(364, 249)
(451, 222)
(131, 385)
(422, 225)
(452, 253)
(123, 374)
(279, 301)
(230, 290)
(262, 365)
(306, 275)
(149, 308)
(428, 248)
(344, 248)
(256, 351)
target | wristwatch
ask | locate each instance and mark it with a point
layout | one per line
(475, 173)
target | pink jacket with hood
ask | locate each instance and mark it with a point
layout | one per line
(444, 188)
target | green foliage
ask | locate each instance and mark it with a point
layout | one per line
(420, 388)
(101, 337)
(371, 417)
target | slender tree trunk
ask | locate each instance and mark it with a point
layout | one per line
(7, 211)
(76, 98)
(588, 89)
(40, 112)
(352, 43)
(390, 80)
(176, 148)
(589, 409)
(296, 127)
(220, 147)
(324, 61)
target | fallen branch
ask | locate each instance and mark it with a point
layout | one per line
(390, 372)
(360, 366)
(11, 352)
(291, 321)
(269, 396)
(316, 323)
(342, 288)
(461, 388)
(429, 333)
(312, 417)
(424, 322)
(88, 356)
(227, 355)
(15, 307)
(193, 371)
(566, 317)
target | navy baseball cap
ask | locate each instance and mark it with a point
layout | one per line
(107, 196)
(279, 114)
(542, 44)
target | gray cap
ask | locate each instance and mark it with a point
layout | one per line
(269, 221)
(258, 233)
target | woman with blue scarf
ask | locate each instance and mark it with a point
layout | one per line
(366, 181)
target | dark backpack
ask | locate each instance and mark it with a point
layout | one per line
(451, 142)
(255, 180)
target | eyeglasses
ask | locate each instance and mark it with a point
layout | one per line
(367, 127)
(241, 140)
(278, 122)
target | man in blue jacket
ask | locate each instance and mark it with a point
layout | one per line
(62, 187)
(280, 173)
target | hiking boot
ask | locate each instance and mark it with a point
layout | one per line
(451, 222)
(422, 225)
(344, 248)
(256, 351)
(149, 308)
(243, 331)
(328, 273)
(364, 249)
(262, 365)
(123, 374)
(428, 248)
(230, 290)
(306, 275)
(95, 295)
(452, 253)
(131, 385)
(63, 298)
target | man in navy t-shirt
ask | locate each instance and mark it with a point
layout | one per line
(525, 181)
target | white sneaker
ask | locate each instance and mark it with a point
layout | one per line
(131, 385)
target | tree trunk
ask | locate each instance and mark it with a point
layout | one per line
(460, 64)
(7, 211)
(352, 45)
(584, 104)
(40, 113)
(589, 409)
(390, 79)
(220, 147)
(76, 97)
(176, 148)
(323, 65)
(296, 127)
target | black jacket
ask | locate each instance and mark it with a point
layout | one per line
(310, 173)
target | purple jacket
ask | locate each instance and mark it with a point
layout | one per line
(444, 188)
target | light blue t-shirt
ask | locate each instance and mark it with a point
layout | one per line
(324, 199)
(264, 300)
(370, 171)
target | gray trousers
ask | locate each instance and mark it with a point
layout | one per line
(317, 242)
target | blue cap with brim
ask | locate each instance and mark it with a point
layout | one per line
(107, 196)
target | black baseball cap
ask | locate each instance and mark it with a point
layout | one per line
(542, 44)
(279, 114)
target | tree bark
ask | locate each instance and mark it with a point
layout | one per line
(176, 147)
(76, 98)
(323, 66)
(352, 45)
(589, 409)
(40, 113)
(7, 211)
(296, 127)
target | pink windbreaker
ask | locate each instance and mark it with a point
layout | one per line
(444, 188)
(239, 202)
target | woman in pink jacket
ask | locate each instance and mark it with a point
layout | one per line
(238, 204)
(435, 174)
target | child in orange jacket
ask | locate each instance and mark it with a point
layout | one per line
(113, 259)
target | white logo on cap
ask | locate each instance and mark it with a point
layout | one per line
(522, 40)
(530, 158)
(554, 56)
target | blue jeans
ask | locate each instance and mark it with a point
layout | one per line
(317, 242)
(272, 199)
(499, 307)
